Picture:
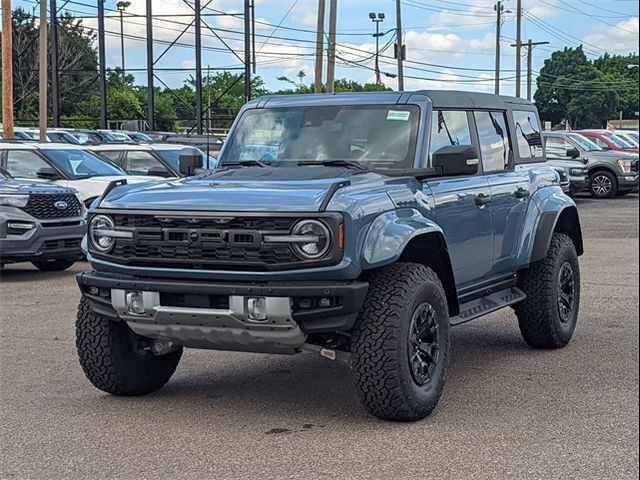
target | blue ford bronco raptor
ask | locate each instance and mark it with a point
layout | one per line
(360, 227)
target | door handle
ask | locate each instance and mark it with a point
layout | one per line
(482, 200)
(522, 193)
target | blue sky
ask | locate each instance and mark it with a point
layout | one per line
(450, 43)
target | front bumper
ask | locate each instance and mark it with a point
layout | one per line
(628, 182)
(55, 239)
(214, 315)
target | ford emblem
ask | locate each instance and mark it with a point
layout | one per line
(61, 205)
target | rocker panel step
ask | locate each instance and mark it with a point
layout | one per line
(485, 305)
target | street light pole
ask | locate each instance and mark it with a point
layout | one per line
(377, 19)
(122, 6)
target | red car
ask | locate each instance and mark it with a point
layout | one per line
(608, 141)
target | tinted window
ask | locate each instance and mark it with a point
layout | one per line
(600, 143)
(449, 128)
(80, 164)
(23, 164)
(528, 134)
(557, 147)
(494, 140)
(139, 163)
(172, 157)
(113, 156)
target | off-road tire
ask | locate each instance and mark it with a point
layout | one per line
(380, 343)
(604, 176)
(539, 315)
(112, 363)
(53, 266)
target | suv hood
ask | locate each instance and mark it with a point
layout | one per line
(291, 189)
(611, 155)
(26, 187)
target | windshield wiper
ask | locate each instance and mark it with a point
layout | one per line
(245, 163)
(334, 163)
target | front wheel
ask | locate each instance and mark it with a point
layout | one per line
(117, 360)
(603, 184)
(548, 316)
(400, 345)
(53, 265)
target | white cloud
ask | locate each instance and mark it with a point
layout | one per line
(623, 38)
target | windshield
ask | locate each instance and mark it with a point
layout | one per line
(372, 135)
(617, 141)
(585, 143)
(172, 157)
(78, 164)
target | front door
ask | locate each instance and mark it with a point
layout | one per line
(462, 204)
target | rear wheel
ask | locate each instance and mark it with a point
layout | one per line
(548, 316)
(53, 265)
(117, 360)
(400, 346)
(603, 184)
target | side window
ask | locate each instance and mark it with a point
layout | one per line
(113, 156)
(449, 128)
(557, 147)
(528, 134)
(494, 140)
(600, 143)
(23, 164)
(139, 163)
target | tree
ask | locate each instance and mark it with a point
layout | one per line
(572, 89)
(625, 79)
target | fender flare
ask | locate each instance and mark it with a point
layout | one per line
(565, 221)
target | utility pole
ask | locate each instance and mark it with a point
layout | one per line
(151, 117)
(103, 67)
(377, 20)
(122, 6)
(331, 54)
(43, 72)
(499, 8)
(518, 45)
(55, 91)
(247, 50)
(529, 46)
(399, 46)
(7, 71)
(317, 83)
(198, 46)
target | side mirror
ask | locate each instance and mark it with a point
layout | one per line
(158, 172)
(455, 160)
(48, 173)
(189, 160)
(573, 153)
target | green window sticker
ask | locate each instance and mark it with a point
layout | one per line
(398, 115)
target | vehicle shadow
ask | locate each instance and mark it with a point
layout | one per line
(24, 272)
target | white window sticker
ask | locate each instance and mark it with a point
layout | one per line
(398, 115)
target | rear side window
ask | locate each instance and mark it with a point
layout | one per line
(494, 140)
(111, 155)
(449, 128)
(557, 147)
(528, 134)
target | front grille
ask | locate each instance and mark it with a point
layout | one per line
(53, 205)
(199, 242)
(61, 244)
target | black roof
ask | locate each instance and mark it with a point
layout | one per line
(460, 99)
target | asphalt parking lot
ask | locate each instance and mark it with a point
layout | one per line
(507, 412)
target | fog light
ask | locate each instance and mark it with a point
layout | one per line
(21, 226)
(257, 308)
(134, 302)
(325, 302)
(305, 303)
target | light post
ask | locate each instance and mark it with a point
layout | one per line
(377, 19)
(122, 6)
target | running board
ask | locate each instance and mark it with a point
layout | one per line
(485, 305)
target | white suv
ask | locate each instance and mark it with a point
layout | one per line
(63, 164)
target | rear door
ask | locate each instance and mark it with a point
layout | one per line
(462, 203)
(509, 188)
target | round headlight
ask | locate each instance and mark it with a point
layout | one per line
(101, 242)
(319, 239)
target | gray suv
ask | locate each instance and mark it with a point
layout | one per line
(39, 223)
(611, 173)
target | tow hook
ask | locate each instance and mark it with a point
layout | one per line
(163, 347)
(334, 355)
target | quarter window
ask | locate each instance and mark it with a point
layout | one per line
(22, 164)
(494, 140)
(528, 134)
(449, 128)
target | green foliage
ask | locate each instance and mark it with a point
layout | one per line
(586, 94)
